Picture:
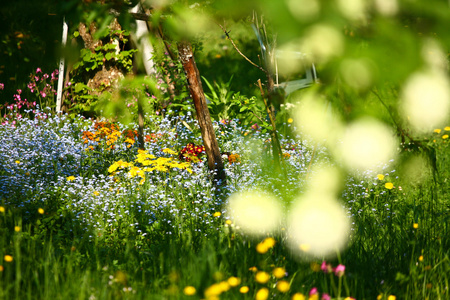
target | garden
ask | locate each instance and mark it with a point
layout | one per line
(338, 189)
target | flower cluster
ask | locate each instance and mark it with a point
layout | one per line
(192, 152)
(107, 134)
(146, 162)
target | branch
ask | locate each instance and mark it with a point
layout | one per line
(239, 51)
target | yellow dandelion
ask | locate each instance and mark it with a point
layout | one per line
(290, 120)
(96, 193)
(380, 296)
(262, 248)
(391, 297)
(213, 290)
(17, 228)
(18, 162)
(234, 281)
(244, 289)
(269, 242)
(253, 269)
(228, 222)
(283, 286)
(416, 225)
(189, 290)
(445, 136)
(262, 277)
(262, 294)
(279, 272)
(447, 128)
(1, 268)
(8, 258)
(2, 209)
(380, 176)
(41, 211)
(438, 130)
(421, 258)
(298, 296)
(389, 185)
(70, 178)
(217, 214)
(315, 267)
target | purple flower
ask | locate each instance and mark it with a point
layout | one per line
(339, 270)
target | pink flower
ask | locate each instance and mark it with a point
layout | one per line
(255, 126)
(325, 296)
(326, 268)
(43, 94)
(38, 70)
(313, 291)
(2, 86)
(339, 270)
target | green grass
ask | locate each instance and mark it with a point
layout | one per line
(60, 255)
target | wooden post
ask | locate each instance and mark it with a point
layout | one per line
(195, 87)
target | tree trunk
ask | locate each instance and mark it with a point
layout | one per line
(195, 87)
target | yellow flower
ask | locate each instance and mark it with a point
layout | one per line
(380, 176)
(2, 209)
(228, 222)
(298, 296)
(380, 296)
(70, 178)
(169, 151)
(391, 297)
(416, 225)
(421, 258)
(262, 277)
(269, 242)
(8, 258)
(224, 286)
(96, 193)
(447, 128)
(389, 185)
(189, 290)
(261, 248)
(244, 289)
(279, 272)
(290, 120)
(1, 268)
(234, 281)
(438, 130)
(445, 136)
(16, 228)
(253, 269)
(41, 211)
(283, 286)
(217, 214)
(213, 290)
(18, 162)
(262, 294)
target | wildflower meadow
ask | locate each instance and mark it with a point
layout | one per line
(292, 150)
